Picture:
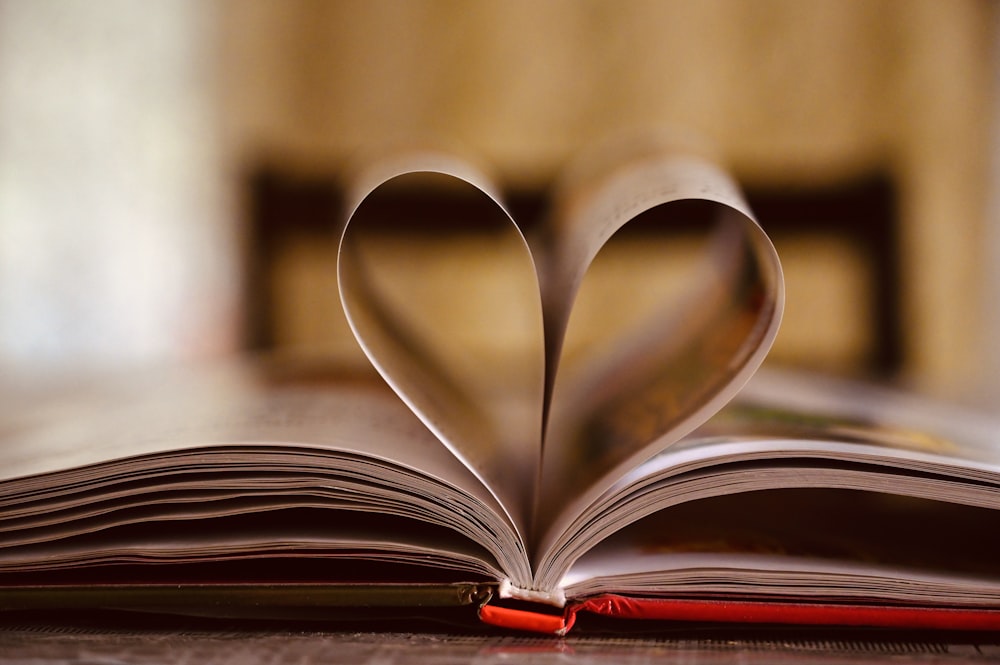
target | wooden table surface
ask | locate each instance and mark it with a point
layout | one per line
(41, 643)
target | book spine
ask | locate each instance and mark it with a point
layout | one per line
(526, 620)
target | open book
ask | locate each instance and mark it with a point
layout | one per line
(636, 468)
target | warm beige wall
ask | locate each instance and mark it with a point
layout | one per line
(117, 239)
(793, 92)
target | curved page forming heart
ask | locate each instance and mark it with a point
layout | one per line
(640, 366)
(441, 291)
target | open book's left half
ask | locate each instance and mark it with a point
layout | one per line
(295, 471)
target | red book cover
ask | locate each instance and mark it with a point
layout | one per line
(746, 612)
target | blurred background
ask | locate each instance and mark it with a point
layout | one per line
(171, 170)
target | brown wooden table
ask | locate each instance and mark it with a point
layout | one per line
(40, 642)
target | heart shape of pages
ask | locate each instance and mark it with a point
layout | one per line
(551, 365)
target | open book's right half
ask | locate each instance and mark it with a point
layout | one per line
(610, 449)
(809, 500)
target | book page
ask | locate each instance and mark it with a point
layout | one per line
(249, 402)
(963, 434)
(620, 399)
(484, 404)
